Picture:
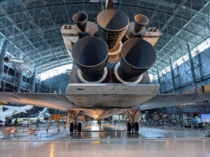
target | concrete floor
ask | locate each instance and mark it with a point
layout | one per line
(96, 132)
(157, 148)
(118, 126)
(148, 142)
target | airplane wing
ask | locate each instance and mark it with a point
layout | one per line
(2, 119)
(49, 100)
(166, 100)
(66, 102)
(23, 111)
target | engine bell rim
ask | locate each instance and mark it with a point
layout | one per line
(79, 73)
(121, 80)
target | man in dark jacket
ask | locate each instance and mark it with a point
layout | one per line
(37, 122)
(15, 123)
(10, 121)
(6, 123)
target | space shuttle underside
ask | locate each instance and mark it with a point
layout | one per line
(111, 59)
(112, 52)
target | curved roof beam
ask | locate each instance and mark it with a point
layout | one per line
(76, 2)
(20, 30)
(45, 51)
(50, 28)
(178, 28)
(50, 59)
(49, 39)
(42, 49)
(58, 50)
(134, 3)
(44, 67)
(57, 38)
(41, 69)
(39, 45)
(207, 3)
(37, 35)
(159, 13)
(146, 9)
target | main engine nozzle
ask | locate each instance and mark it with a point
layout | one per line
(112, 25)
(91, 55)
(136, 57)
(140, 21)
(81, 20)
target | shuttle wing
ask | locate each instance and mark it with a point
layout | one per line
(166, 100)
(80, 101)
(51, 100)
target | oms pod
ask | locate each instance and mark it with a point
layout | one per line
(91, 55)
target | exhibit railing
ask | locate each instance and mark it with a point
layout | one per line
(94, 136)
(169, 126)
(178, 126)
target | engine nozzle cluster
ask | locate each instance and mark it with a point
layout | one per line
(91, 54)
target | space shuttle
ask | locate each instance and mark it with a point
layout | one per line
(110, 70)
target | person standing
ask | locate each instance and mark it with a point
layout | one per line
(37, 122)
(194, 123)
(6, 123)
(10, 121)
(199, 122)
(15, 123)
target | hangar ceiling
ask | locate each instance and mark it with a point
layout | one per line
(33, 27)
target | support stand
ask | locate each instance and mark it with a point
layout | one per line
(133, 126)
(56, 118)
(74, 125)
(48, 125)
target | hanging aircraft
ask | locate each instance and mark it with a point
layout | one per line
(110, 70)
(8, 111)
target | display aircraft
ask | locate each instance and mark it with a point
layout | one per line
(110, 73)
(8, 111)
(33, 118)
